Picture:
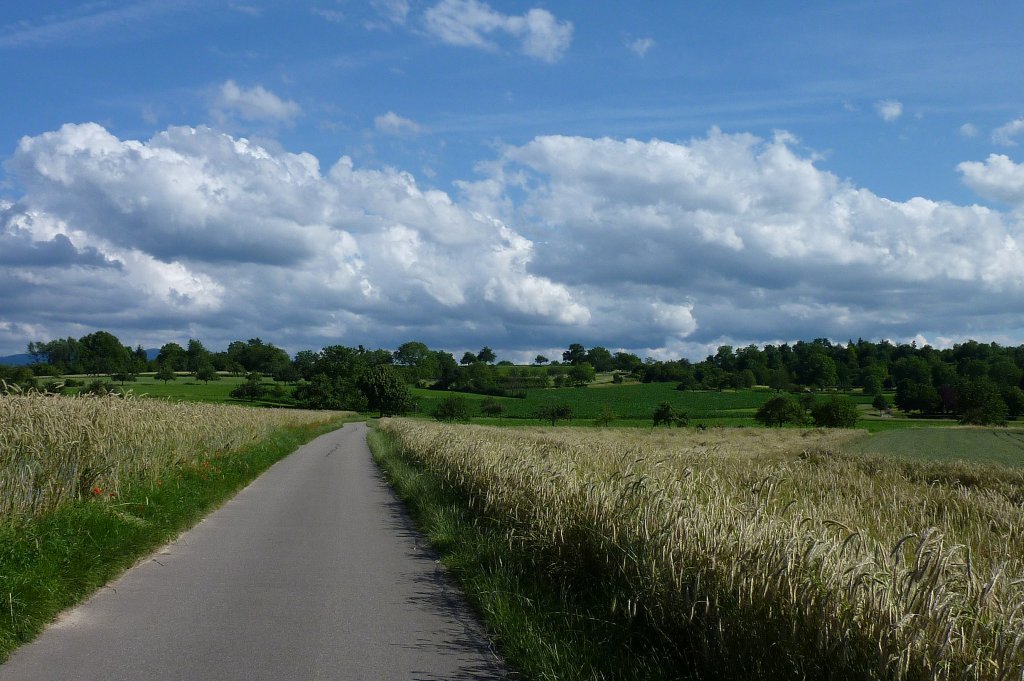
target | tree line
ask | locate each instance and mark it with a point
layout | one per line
(977, 382)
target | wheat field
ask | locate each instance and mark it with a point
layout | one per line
(762, 553)
(57, 449)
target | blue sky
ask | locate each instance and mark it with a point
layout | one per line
(526, 175)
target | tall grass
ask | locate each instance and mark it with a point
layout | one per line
(761, 554)
(59, 449)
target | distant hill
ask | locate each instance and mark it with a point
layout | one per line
(16, 359)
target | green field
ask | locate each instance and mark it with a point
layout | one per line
(187, 388)
(998, 445)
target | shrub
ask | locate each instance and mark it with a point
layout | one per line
(492, 407)
(838, 412)
(554, 412)
(451, 409)
(668, 415)
(881, 402)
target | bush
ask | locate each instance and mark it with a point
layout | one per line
(492, 407)
(606, 416)
(838, 412)
(779, 411)
(451, 409)
(668, 415)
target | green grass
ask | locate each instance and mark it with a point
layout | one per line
(997, 445)
(50, 563)
(545, 627)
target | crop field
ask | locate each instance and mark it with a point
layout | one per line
(759, 553)
(58, 449)
(998, 445)
(185, 387)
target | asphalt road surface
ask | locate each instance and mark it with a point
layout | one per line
(312, 572)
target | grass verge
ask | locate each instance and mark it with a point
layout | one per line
(54, 561)
(547, 626)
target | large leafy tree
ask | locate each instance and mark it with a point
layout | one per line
(386, 393)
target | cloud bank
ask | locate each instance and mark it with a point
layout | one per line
(664, 248)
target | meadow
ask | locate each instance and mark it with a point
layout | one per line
(739, 553)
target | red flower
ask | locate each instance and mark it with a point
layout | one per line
(97, 491)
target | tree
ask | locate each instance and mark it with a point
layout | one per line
(172, 356)
(881, 403)
(576, 354)
(468, 358)
(287, 373)
(980, 403)
(452, 408)
(124, 376)
(606, 416)
(780, 410)
(102, 353)
(668, 415)
(554, 412)
(252, 389)
(838, 412)
(600, 358)
(385, 391)
(486, 355)
(165, 374)
(205, 373)
(581, 374)
(492, 407)
(411, 354)
(196, 356)
(540, 359)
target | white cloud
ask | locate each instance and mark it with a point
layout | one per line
(641, 46)
(334, 16)
(997, 178)
(659, 247)
(889, 109)
(253, 104)
(470, 23)
(392, 11)
(969, 130)
(1005, 134)
(393, 124)
(195, 228)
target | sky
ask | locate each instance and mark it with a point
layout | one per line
(657, 177)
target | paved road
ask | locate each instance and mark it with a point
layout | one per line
(312, 572)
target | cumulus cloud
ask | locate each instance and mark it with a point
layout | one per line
(1005, 134)
(753, 241)
(393, 124)
(470, 23)
(641, 46)
(253, 104)
(997, 178)
(653, 246)
(197, 229)
(889, 109)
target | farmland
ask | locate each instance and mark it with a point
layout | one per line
(745, 553)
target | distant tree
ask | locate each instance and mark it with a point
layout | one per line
(252, 389)
(871, 383)
(206, 373)
(492, 407)
(411, 354)
(486, 355)
(606, 416)
(124, 376)
(287, 373)
(196, 356)
(576, 354)
(628, 362)
(1014, 399)
(838, 412)
(981, 402)
(452, 408)
(600, 358)
(172, 356)
(102, 353)
(165, 374)
(780, 410)
(581, 374)
(468, 358)
(881, 403)
(540, 359)
(386, 393)
(553, 413)
(666, 414)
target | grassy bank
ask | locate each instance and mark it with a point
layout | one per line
(743, 554)
(82, 504)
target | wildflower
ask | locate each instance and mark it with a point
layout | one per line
(97, 491)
